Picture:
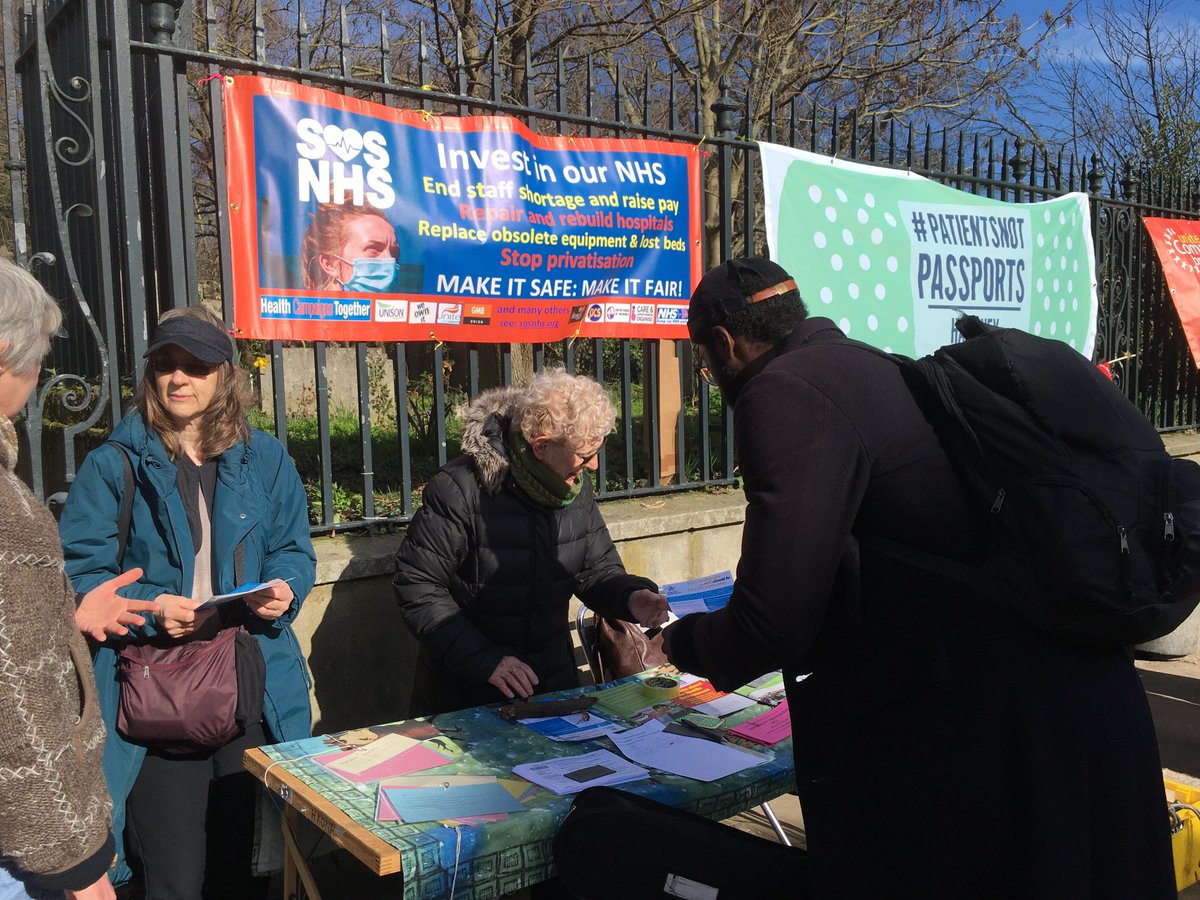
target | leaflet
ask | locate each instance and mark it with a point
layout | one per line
(767, 689)
(704, 760)
(241, 591)
(579, 727)
(384, 811)
(699, 595)
(571, 774)
(373, 754)
(451, 801)
(724, 706)
(768, 729)
(698, 692)
(394, 760)
(624, 700)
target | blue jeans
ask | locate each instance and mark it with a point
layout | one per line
(12, 888)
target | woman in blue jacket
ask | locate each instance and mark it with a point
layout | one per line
(207, 490)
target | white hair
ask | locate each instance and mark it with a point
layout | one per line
(572, 408)
(29, 317)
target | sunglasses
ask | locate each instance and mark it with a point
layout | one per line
(164, 365)
(707, 376)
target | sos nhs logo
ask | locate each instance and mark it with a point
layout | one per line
(672, 315)
(339, 165)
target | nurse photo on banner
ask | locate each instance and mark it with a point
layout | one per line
(354, 248)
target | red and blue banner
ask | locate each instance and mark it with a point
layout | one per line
(355, 221)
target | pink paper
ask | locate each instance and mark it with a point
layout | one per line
(414, 759)
(768, 729)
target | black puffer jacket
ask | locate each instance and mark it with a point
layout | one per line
(485, 572)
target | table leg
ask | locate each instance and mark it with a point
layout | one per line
(294, 865)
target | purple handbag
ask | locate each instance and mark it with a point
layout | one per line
(180, 698)
(187, 697)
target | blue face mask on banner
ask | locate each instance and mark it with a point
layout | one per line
(372, 274)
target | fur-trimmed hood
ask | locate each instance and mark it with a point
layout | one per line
(485, 421)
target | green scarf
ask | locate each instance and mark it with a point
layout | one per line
(535, 478)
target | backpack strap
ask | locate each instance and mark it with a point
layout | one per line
(931, 562)
(125, 515)
(930, 388)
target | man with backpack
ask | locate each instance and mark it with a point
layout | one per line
(943, 745)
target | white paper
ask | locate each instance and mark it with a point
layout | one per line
(697, 758)
(724, 706)
(553, 774)
(687, 607)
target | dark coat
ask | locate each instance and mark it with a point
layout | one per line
(485, 572)
(942, 748)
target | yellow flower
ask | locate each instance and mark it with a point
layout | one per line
(261, 362)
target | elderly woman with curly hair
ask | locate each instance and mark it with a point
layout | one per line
(505, 535)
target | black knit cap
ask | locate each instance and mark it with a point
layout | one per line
(731, 286)
(203, 340)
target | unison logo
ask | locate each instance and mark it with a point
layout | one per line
(338, 164)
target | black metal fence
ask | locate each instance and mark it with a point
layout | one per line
(116, 186)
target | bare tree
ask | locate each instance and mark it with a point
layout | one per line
(1132, 92)
(953, 60)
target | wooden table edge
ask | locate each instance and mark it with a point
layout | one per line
(373, 852)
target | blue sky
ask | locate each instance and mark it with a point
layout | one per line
(1078, 38)
(1041, 101)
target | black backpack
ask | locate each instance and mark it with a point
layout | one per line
(614, 844)
(1094, 528)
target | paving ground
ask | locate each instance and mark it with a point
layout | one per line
(1173, 688)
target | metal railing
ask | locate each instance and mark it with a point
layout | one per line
(118, 191)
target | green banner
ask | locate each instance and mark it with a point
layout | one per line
(895, 258)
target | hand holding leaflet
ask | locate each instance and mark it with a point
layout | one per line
(241, 591)
(699, 595)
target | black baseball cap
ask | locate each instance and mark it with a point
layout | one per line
(203, 340)
(731, 286)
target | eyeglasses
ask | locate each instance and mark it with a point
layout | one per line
(164, 365)
(583, 460)
(703, 372)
